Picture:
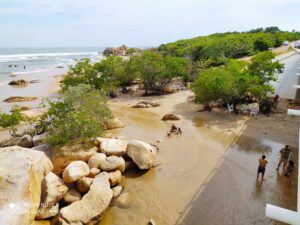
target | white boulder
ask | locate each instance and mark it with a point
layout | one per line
(75, 171)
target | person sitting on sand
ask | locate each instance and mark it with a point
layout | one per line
(174, 130)
(262, 163)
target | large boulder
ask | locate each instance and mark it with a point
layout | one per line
(93, 204)
(72, 196)
(53, 190)
(75, 171)
(171, 116)
(112, 163)
(107, 164)
(143, 155)
(113, 146)
(114, 124)
(83, 185)
(25, 141)
(22, 171)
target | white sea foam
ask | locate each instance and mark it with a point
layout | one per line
(29, 72)
(22, 57)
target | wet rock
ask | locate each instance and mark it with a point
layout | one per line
(173, 86)
(83, 185)
(20, 99)
(115, 178)
(143, 155)
(72, 196)
(151, 222)
(22, 171)
(96, 160)
(20, 82)
(112, 163)
(75, 171)
(94, 172)
(114, 124)
(117, 191)
(20, 108)
(25, 141)
(113, 146)
(171, 116)
(39, 139)
(34, 81)
(123, 200)
(91, 207)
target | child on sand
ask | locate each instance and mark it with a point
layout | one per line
(261, 167)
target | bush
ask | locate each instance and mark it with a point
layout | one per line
(11, 121)
(77, 115)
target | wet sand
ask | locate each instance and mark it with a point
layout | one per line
(186, 161)
(46, 86)
(233, 196)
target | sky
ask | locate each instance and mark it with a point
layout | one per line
(140, 23)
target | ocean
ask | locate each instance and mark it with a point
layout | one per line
(28, 61)
(39, 64)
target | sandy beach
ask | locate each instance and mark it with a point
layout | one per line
(177, 190)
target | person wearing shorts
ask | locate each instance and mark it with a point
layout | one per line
(284, 156)
(262, 163)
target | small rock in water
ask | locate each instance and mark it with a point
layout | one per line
(123, 201)
(117, 191)
(151, 222)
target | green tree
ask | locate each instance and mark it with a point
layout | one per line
(11, 121)
(77, 115)
(214, 84)
(263, 66)
(83, 73)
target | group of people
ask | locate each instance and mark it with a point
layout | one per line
(287, 164)
(174, 130)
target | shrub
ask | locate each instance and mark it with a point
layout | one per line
(11, 121)
(78, 114)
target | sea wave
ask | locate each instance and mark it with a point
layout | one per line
(29, 72)
(32, 56)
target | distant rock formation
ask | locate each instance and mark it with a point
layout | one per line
(120, 51)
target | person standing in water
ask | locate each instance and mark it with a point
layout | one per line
(284, 156)
(289, 170)
(262, 163)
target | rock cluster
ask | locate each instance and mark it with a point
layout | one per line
(170, 116)
(20, 99)
(85, 188)
(20, 82)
